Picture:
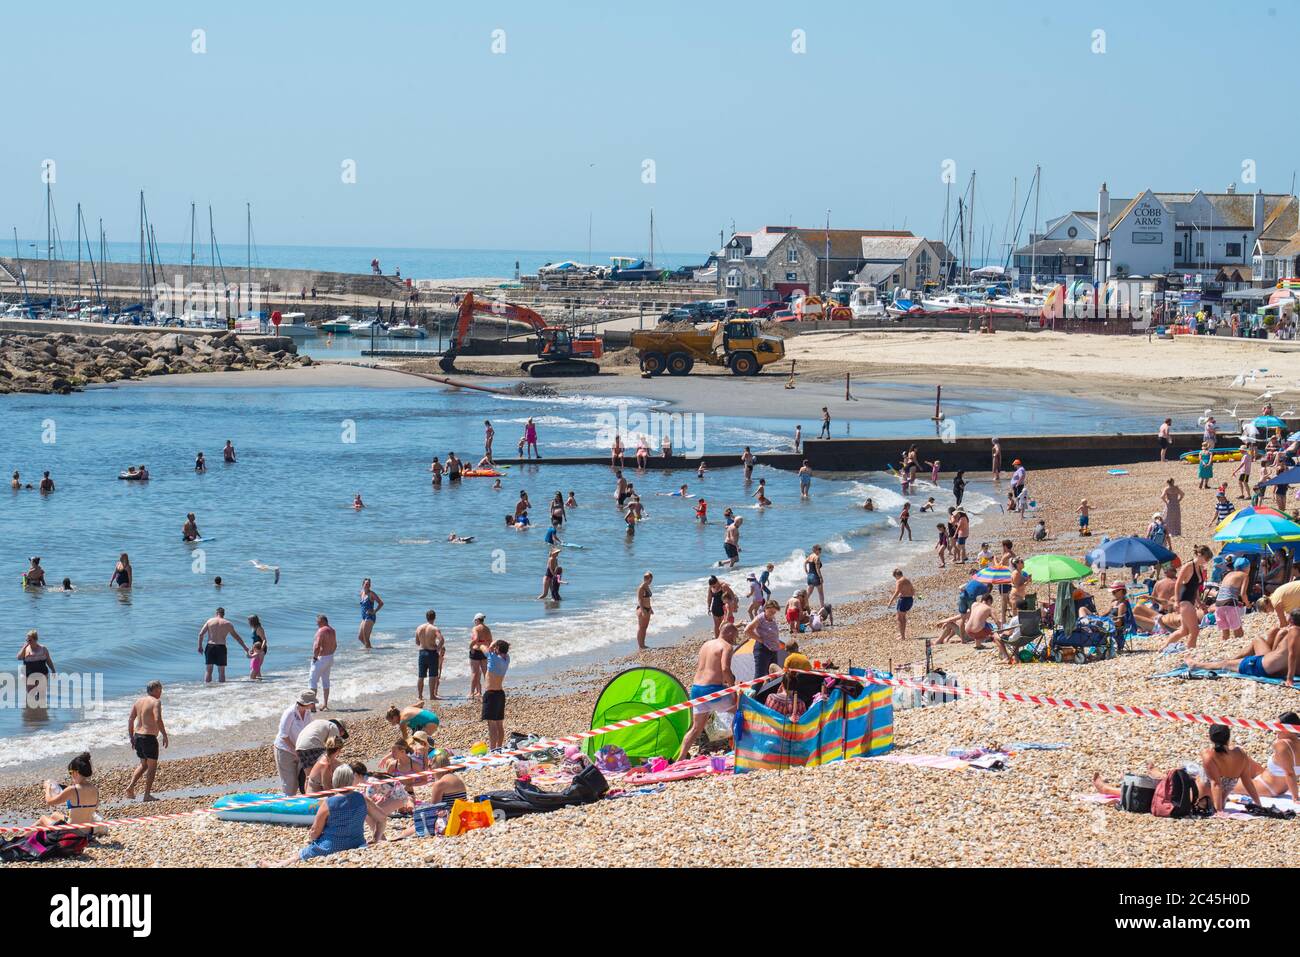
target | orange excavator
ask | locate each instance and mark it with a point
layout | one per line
(559, 352)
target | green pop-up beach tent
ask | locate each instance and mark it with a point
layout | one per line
(635, 692)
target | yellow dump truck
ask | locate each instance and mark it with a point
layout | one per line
(736, 344)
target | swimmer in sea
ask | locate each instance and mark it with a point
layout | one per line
(357, 504)
(35, 576)
(496, 486)
(869, 505)
(699, 472)
(190, 530)
(122, 574)
(702, 512)
(680, 493)
(551, 573)
(571, 501)
(228, 453)
(15, 483)
(200, 463)
(760, 495)
(436, 468)
(67, 585)
(553, 535)
(455, 539)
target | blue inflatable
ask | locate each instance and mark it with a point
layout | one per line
(296, 811)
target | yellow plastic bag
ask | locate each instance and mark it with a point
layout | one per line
(468, 816)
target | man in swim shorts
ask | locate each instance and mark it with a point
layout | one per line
(143, 728)
(323, 647)
(712, 673)
(428, 638)
(494, 695)
(217, 630)
(1262, 660)
(902, 599)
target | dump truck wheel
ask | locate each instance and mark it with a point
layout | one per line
(654, 363)
(744, 363)
(680, 363)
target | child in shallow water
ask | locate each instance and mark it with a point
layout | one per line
(256, 655)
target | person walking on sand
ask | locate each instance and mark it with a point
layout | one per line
(766, 635)
(494, 695)
(826, 424)
(643, 609)
(1165, 439)
(1205, 465)
(530, 439)
(1242, 471)
(144, 727)
(904, 522)
(1172, 496)
(428, 638)
(489, 434)
(712, 674)
(323, 647)
(902, 600)
(371, 604)
(480, 638)
(216, 630)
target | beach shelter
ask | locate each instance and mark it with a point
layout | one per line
(837, 727)
(1045, 569)
(1258, 527)
(630, 694)
(1128, 552)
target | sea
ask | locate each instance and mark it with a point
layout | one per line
(305, 453)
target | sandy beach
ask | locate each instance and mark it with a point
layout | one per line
(860, 812)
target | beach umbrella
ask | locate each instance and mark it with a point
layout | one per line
(994, 575)
(1245, 548)
(1258, 528)
(1129, 552)
(1290, 477)
(1269, 422)
(1057, 568)
(1247, 512)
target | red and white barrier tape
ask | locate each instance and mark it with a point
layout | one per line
(1016, 697)
(469, 763)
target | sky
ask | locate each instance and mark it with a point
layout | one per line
(515, 125)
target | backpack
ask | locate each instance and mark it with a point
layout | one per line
(1136, 793)
(1175, 795)
(44, 845)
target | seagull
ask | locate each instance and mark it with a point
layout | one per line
(262, 567)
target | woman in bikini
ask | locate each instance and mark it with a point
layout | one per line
(321, 776)
(37, 663)
(1225, 767)
(80, 799)
(552, 572)
(643, 609)
(1280, 774)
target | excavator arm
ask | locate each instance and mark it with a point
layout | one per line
(465, 320)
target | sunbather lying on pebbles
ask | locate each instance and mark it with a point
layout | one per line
(1261, 659)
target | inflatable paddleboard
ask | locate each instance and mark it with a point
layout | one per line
(128, 477)
(297, 812)
(484, 473)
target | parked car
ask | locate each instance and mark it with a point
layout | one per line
(767, 309)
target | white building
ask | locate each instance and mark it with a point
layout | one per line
(1157, 233)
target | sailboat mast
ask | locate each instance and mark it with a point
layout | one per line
(652, 236)
(249, 241)
(78, 250)
(22, 271)
(142, 249)
(49, 246)
(1033, 253)
(189, 277)
(947, 205)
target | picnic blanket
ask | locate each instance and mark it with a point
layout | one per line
(1202, 674)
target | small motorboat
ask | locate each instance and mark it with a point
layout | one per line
(339, 327)
(367, 327)
(407, 332)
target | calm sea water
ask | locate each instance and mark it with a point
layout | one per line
(287, 503)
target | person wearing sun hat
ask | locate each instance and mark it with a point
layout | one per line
(1121, 613)
(1017, 478)
(296, 717)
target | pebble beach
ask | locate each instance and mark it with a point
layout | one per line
(856, 813)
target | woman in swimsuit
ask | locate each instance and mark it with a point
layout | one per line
(80, 799)
(813, 572)
(1279, 776)
(1225, 767)
(436, 468)
(717, 602)
(200, 464)
(1187, 587)
(121, 573)
(552, 572)
(37, 663)
(557, 509)
(321, 776)
(448, 786)
(371, 603)
(397, 761)
(643, 609)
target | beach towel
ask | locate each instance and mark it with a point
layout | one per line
(940, 762)
(1034, 746)
(1204, 674)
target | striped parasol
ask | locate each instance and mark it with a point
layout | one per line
(994, 575)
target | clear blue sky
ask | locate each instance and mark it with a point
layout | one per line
(458, 147)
